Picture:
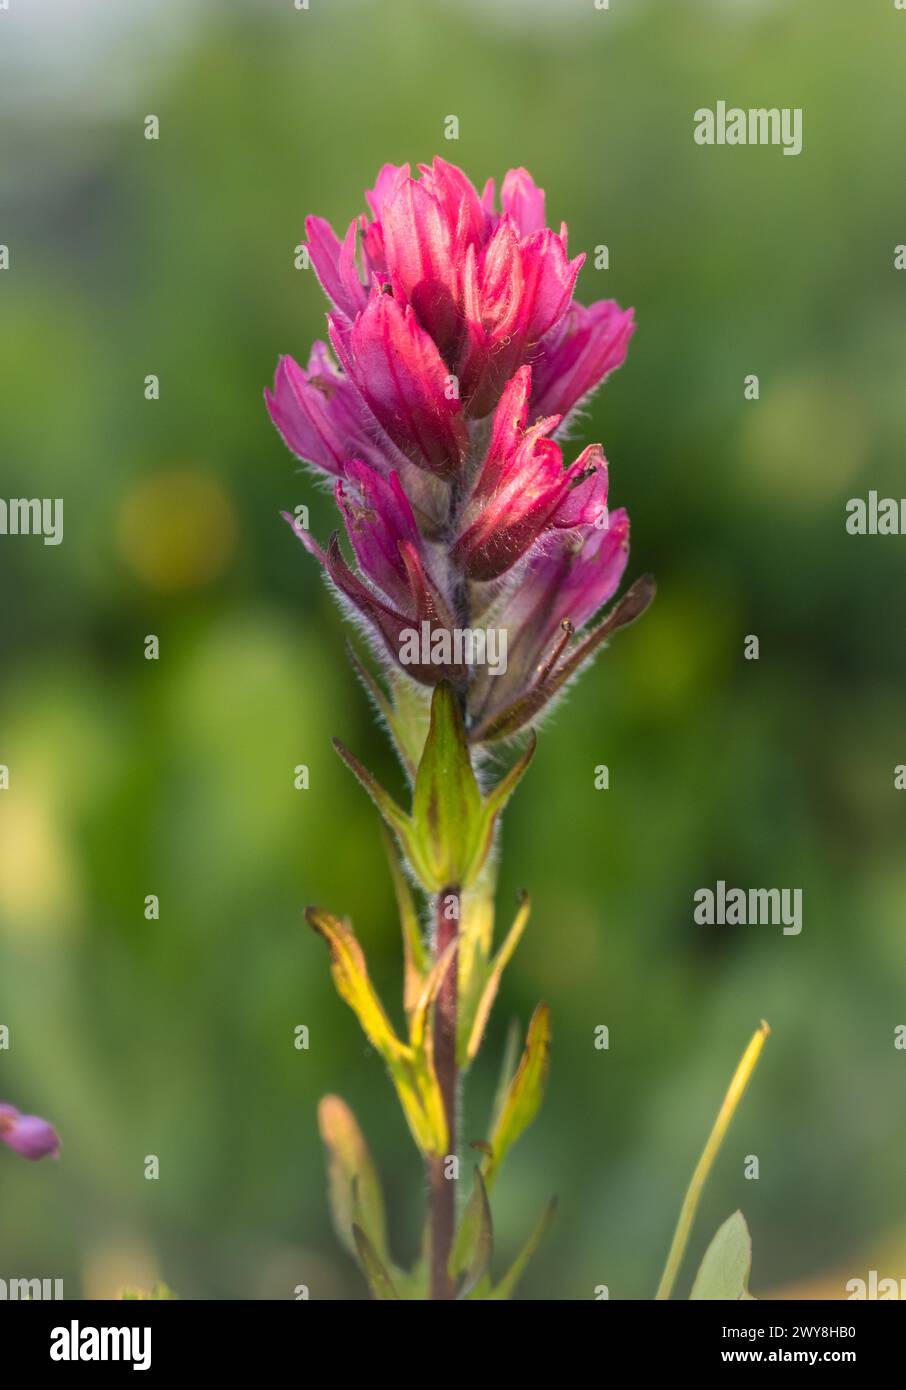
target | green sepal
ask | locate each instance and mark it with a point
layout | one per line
(446, 802)
(449, 835)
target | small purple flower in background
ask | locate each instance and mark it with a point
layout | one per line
(27, 1135)
(461, 357)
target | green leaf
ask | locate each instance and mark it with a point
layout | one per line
(507, 1071)
(492, 979)
(448, 837)
(411, 717)
(524, 1093)
(405, 715)
(506, 1288)
(373, 1268)
(393, 814)
(411, 1069)
(353, 1183)
(350, 975)
(724, 1271)
(474, 1246)
(416, 958)
(419, 1032)
(494, 804)
(421, 1039)
(476, 934)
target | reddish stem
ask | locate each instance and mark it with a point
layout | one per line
(442, 1189)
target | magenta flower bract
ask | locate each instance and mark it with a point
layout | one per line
(460, 356)
(27, 1135)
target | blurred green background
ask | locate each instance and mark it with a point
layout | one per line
(130, 777)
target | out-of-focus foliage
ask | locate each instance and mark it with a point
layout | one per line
(175, 1037)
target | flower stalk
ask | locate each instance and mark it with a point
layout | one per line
(741, 1078)
(441, 1186)
(458, 358)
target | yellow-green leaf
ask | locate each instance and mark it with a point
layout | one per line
(492, 980)
(412, 1076)
(524, 1093)
(418, 1024)
(474, 1244)
(373, 1268)
(508, 1065)
(350, 975)
(476, 934)
(353, 1184)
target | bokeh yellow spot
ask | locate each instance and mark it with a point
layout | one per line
(38, 879)
(121, 1262)
(177, 531)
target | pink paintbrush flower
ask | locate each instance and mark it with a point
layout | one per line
(398, 371)
(27, 1135)
(523, 488)
(460, 355)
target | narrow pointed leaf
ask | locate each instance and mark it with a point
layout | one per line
(506, 1288)
(525, 1092)
(415, 1086)
(373, 1268)
(494, 804)
(354, 1187)
(411, 716)
(507, 1071)
(405, 716)
(416, 959)
(476, 934)
(474, 1245)
(421, 1040)
(350, 975)
(492, 983)
(393, 814)
(419, 1021)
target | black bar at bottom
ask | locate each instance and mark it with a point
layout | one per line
(271, 1340)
